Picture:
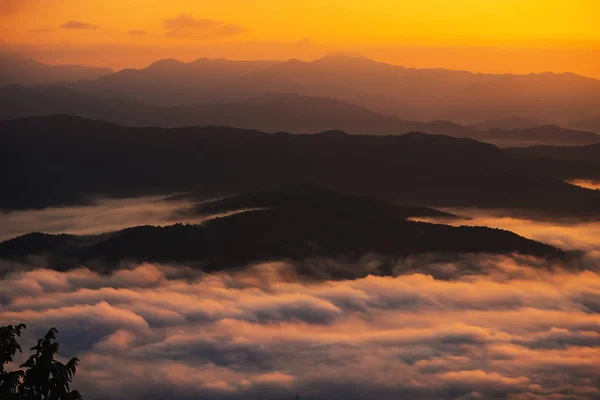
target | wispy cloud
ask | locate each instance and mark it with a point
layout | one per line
(137, 32)
(79, 25)
(103, 215)
(187, 25)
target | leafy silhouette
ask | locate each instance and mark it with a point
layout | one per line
(44, 378)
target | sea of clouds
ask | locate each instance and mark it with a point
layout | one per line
(478, 327)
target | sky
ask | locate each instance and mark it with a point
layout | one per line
(517, 36)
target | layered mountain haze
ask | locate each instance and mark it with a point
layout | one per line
(458, 96)
(27, 71)
(411, 169)
(539, 135)
(244, 207)
(590, 124)
(589, 153)
(271, 113)
(508, 124)
(174, 83)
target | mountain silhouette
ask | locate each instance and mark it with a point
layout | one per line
(62, 159)
(270, 113)
(174, 83)
(590, 153)
(413, 94)
(26, 71)
(545, 134)
(300, 223)
(588, 124)
(508, 124)
(318, 199)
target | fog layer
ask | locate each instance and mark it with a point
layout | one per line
(513, 327)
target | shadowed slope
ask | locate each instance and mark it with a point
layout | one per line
(302, 222)
(271, 113)
(64, 159)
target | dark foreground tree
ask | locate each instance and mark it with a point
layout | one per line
(43, 377)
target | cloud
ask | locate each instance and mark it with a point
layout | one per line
(79, 25)
(185, 25)
(512, 331)
(101, 215)
(137, 32)
(587, 184)
(567, 234)
(428, 327)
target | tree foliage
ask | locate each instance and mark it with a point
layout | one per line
(41, 377)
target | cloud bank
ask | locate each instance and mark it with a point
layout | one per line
(594, 185)
(566, 234)
(155, 331)
(469, 327)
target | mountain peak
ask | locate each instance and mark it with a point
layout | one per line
(166, 63)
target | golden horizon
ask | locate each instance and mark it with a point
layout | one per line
(508, 36)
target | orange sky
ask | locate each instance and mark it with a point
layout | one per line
(480, 35)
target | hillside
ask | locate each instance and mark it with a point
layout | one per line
(508, 124)
(539, 135)
(56, 160)
(329, 225)
(590, 153)
(270, 113)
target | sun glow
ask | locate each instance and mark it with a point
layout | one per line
(489, 36)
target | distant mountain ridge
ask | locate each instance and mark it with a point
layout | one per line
(414, 94)
(509, 124)
(539, 135)
(411, 94)
(298, 223)
(62, 160)
(589, 124)
(26, 71)
(589, 153)
(269, 113)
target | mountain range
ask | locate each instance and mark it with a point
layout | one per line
(61, 160)
(27, 71)
(296, 223)
(404, 93)
(270, 113)
(426, 94)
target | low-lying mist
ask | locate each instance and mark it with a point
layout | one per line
(150, 331)
(103, 215)
(565, 234)
(588, 184)
(474, 327)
